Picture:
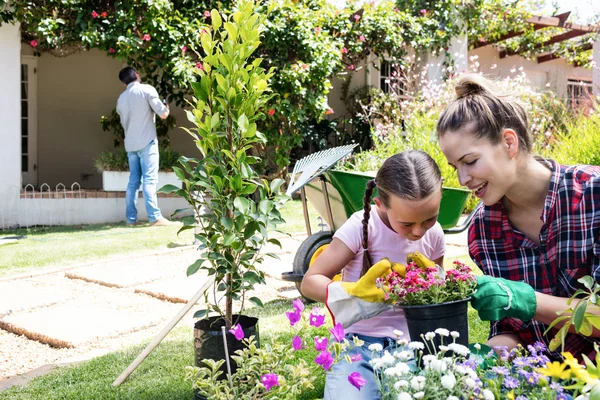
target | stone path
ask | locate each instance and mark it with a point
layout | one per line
(61, 316)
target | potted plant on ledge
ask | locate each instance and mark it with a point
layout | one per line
(235, 208)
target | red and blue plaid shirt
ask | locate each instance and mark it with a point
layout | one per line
(569, 249)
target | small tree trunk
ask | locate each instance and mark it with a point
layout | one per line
(229, 305)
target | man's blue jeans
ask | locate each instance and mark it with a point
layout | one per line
(336, 380)
(143, 168)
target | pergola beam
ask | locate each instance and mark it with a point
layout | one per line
(538, 23)
(554, 39)
(552, 56)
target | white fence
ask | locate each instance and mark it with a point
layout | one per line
(71, 205)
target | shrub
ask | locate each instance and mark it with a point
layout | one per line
(118, 161)
(580, 143)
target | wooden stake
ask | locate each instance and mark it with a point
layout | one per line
(163, 333)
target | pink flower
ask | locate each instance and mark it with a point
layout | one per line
(297, 304)
(317, 30)
(344, 50)
(271, 112)
(95, 14)
(351, 67)
(423, 11)
(33, 43)
(297, 343)
(269, 380)
(199, 66)
(293, 316)
(321, 343)
(104, 14)
(146, 37)
(111, 50)
(362, 38)
(206, 14)
(183, 49)
(396, 9)
(338, 332)
(237, 331)
(356, 357)
(356, 380)
(356, 17)
(325, 360)
(316, 319)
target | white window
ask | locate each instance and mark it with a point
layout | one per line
(390, 77)
(579, 91)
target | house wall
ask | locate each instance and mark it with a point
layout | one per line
(10, 123)
(73, 93)
(555, 72)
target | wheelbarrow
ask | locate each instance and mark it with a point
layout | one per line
(336, 195)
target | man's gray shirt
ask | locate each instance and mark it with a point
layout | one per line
(136, 107)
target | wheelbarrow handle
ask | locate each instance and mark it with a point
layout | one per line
(462, 227)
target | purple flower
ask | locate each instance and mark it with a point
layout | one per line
(501, 370)
(557, 387)
(356, 357)
(356, 380)
(297, 343)
(521, 398)
(325, 360)
(269, 380)
(316, 319)
(338, 332)
(298, 305)
(321, 343)
(510, 382)
(237, 331)
(533, 378)
(293, 316)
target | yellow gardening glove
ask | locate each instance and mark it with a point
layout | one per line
(350, 302)
(365, 288)
(419, 259)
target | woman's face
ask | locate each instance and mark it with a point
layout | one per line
(485, 168)
(412, 218)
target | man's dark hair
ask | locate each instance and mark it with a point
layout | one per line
(127, 75)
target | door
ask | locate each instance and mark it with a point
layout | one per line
(29, 120)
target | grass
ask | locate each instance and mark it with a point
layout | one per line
(62, 246)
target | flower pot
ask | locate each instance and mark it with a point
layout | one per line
(427, 318)
(208, 340)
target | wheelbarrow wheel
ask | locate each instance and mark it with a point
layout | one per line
(307, 253)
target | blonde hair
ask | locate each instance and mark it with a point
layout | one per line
(485, 112)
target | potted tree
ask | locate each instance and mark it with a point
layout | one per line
(235, 208)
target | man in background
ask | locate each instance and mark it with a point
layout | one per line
(137, 107)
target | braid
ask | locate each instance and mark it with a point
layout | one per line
(367, 261)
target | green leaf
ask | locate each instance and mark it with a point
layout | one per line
(275, 242)
(249, 189)
(252, 276)
(241, 204)
(168, 189)
(243, 123)
(179, 173)
(231, 30)
(192, 269)
(201, 313)
(251, 229)
(256, 301)
(579, 314)
(587, 281)
(216, 19)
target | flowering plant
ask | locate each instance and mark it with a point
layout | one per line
(429, 284)
(278, 370)
(453, 372)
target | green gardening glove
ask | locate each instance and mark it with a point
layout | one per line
(498, 298)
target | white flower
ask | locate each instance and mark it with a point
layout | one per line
(400, 385)
(452, 398)
(404, 396)
(459, 349)
(376, 347)
(387, 359)
(402, 342)
(405, 355)
(477, 346)
(419, 395)
(470, 383)
(460, 369)
(428, 359)
(436, 365)
(443, 348)
(418, 383)
(416, 346)
(442, 332)
(448, 381)
(429, 335)
(403, 368)
(398, 333)
(455, 334)
(487, 394)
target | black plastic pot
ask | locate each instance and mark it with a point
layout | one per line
(208, 340)
(428, 318)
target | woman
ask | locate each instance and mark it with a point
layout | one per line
(538, 230)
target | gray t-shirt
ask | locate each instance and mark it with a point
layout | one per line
(137, 106)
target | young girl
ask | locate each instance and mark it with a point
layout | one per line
(403, 220)
(539, 229)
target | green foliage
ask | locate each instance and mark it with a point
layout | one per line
(118, 161)
(231, 94)
(579, 143)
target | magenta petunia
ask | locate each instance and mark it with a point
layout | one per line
(269, 380)
(356, 380)
(237, 331)
(338, 332)
(356, 357)
(146, 37)
(325, 360)
(95, 14)
(297, 343)
(316, 319)
(321, 343)
(293, 316)
(297, 304)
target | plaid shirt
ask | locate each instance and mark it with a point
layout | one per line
(569, 249)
